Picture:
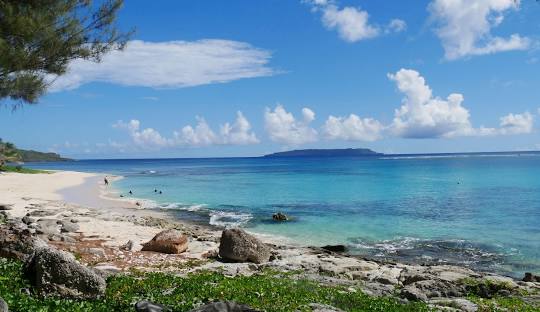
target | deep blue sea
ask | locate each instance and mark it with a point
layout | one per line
(478, 210)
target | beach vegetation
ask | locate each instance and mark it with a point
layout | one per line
(268, 291)
(38, 40)
(20, 169)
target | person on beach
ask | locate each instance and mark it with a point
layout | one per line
(106, 181)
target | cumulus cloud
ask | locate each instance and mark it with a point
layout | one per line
(424, 116)
(283, 127)
(352, 128)
(237, 133)
(516, 123)
(171, 64)
(147, 138)
(352, 24)
(464, 27)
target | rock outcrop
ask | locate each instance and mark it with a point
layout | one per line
(55, 272)
(529, 277)
(279, 217)
(237, 245)
(168, 241)
(17, 242)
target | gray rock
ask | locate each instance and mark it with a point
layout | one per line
(458, 303)
(68, 227)
(28, 220)
(412, 293)
(529, 277)
(279, 217)
(169, 241)
(237, 245)
(147, 306)
(42, 213)
(317, 307)
(128, 246)
(5, 207)
(437, 289)
(95, 251)
(224, 306)
(56, 272)
(3, 306)
(106, 270)
(48, 226)
(18, 243)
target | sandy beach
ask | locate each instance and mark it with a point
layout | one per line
(103, 221)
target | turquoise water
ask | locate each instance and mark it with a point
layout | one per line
(478, 210)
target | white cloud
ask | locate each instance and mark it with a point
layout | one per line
(425, 116)
(146, 138)
(352, 24)
(171, 64)
(352, 128)
(396, 25)
(464, 27)
(516, 123)
(282, 126)
(239, 133)
(199, 135)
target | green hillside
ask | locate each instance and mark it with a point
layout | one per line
(10, 153)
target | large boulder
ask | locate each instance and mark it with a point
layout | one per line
(55, 272)
(168, 241)
(237, 245)
(3, 306)
(224, 306)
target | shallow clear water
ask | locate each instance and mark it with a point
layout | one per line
(481, 211)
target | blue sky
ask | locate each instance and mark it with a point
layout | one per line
(245, 78)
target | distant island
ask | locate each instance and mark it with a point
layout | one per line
(345, 152)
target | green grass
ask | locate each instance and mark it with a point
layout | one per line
(20, 169)
(268, 291)
(503, 304)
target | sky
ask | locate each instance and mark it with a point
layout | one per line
(246, 78)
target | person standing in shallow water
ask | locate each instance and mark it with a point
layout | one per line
(106, 181)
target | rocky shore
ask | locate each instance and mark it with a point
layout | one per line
(69, 250)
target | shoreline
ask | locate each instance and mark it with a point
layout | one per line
(99, 238)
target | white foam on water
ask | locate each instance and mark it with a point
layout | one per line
(179, 206)
(229, 219)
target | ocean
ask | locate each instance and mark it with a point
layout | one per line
(477, 210)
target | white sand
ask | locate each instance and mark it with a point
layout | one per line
(103, 218)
